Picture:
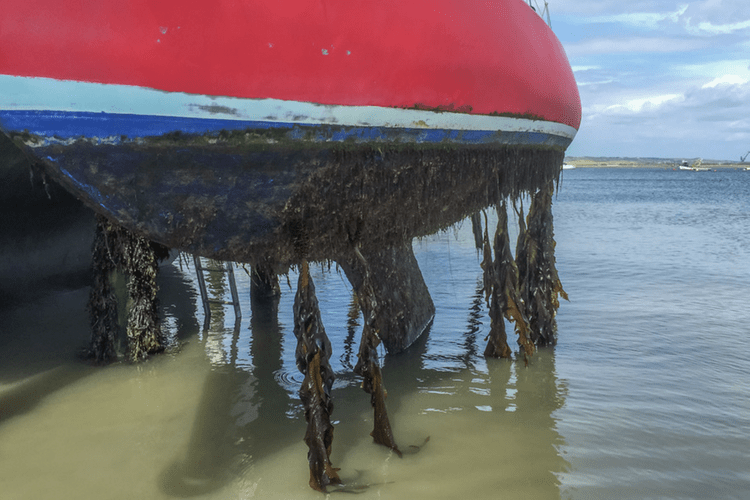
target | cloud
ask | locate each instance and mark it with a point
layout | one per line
(706, 18)
(718, 68)
(650, 103)
(728, 96)
(718, 16)
(632, 44)
(709, 120)
(707, 27)
(579, 69)
(726, 80)
(659, 77)
(592, 75)
(595, 82)
(609, 7)
(649, 20)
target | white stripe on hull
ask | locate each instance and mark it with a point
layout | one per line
(22, 93)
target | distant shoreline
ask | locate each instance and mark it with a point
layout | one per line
(667, 164)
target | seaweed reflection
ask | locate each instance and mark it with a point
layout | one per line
(512, 404)
(244, 413)
(238, 401)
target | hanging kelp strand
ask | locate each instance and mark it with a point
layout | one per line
(116, 249)
(313, 352)
(102, 304)
(502, 289)
(367, 364)
(497, 346)
(476, 228)
(141, 262)
(535, 256)
(487, 267)
(264, 282)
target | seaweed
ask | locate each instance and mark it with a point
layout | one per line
(117, 249)
(141, 262)
(384, 196)
(313, 352)
(264, 281)
(476, 229)
(502, 291)
(368, 366)
(243, 203)
(102, 303)
(535, 256)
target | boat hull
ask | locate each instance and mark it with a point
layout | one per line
(336, 120)
(243, 200)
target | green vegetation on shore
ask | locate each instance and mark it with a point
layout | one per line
(616, 162)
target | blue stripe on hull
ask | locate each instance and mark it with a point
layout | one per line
(114, 126)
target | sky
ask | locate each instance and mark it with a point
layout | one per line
(659, 78)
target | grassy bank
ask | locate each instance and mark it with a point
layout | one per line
(666, 163)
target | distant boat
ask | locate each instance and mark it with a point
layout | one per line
(568, 166)
(695, 167)
(193, 125)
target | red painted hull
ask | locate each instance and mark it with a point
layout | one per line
(478, 57)
(221, 128)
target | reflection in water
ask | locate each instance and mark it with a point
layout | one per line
(210, 456)
(24, 397)
(475, 323)
(352, 327)
(240, 417)
(221, 417)
(478, 415)
(539, 394)
(178, 301)
(495, 416)
(644, 428)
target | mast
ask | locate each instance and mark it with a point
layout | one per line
(544, 13)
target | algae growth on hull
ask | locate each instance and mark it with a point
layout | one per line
(246, 197)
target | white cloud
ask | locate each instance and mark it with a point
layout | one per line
(643, 104)
(605, 7)
(711, 119)
(639, 19)
(580, 69)
(660, 77)
(596, 82)
(593, 75)
(631, 44)
(714, 69)
(726, 80)
(718, 29)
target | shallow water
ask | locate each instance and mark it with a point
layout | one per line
(647, 394)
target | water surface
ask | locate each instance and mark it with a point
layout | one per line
(647, 394)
